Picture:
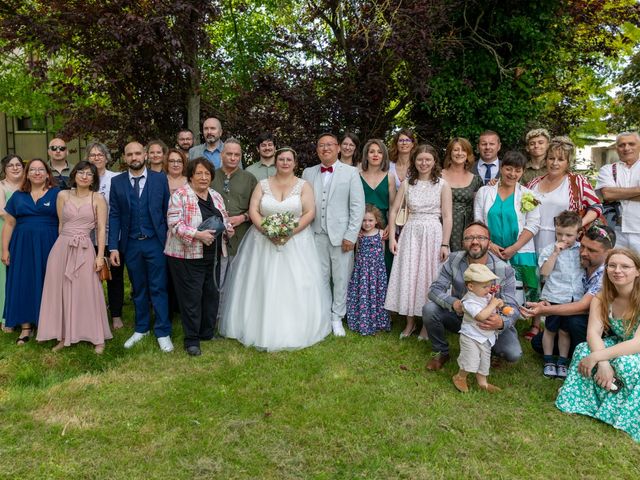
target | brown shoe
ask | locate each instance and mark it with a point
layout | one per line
(460, 383)
(437, 362)
(490, 388)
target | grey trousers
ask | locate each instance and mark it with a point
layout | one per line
(437, 319)
(336, 267)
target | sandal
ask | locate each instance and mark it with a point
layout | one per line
(532, 333)
(24, 339)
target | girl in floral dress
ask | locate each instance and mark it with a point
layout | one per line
(368, 286)
(604, 377)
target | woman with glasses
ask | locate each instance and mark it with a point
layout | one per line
(73, 308)
(402, 145)
(29, 232)
(176, 169)
(12, 173)
(604, 376)
(559, 190)
(193, 252)
(100, 156)
(350, 149)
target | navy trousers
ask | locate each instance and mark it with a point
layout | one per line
(147, 267)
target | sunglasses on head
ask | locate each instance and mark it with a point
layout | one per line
(57, 148)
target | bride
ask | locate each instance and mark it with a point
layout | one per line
(276, 297)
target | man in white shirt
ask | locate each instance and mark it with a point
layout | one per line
(620, 181)
(488, 165)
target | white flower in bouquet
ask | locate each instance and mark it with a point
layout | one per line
(279, 225)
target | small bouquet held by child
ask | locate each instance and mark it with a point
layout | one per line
(279, 227)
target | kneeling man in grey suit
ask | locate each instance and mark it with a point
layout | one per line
(339, 211)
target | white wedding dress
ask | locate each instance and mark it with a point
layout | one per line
(276, 298)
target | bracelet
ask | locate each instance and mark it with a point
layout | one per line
(245, 215)
(443, 245)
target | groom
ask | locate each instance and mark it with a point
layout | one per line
(339, 200)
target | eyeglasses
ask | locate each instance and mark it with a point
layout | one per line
(405, 140)
(176, 162)
(57, 148)
(37, 170)
(614, 266)
(471, 238)
(225, 185)
(85, 173)
(327, 145)
(97, 155)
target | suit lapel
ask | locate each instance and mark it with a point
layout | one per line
(336, 172)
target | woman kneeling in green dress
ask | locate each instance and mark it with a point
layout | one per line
(604, 377)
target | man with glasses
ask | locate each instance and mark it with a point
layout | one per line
(444, 311)
(620, 182)
(184, 141)
(58, 162)
(235, 186)
(266, 165)
(594, 247)
(339, 198)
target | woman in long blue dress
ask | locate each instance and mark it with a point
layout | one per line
(29, 232)
(604, 377)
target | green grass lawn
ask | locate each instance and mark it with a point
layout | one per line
(346, 408)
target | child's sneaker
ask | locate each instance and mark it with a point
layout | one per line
(551, 371)
(561, 371)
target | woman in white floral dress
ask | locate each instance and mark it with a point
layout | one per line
(604, 377)
(424, 241)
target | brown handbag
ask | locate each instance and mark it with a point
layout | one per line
(105, 272)
(403, 211)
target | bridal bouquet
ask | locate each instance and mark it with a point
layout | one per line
(279, 225)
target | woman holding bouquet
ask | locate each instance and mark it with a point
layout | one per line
(277, 262)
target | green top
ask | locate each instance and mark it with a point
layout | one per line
(236, 194)
(379, 196)
(261, 171)
(502, 221)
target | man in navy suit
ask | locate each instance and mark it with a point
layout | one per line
(488, 165)
(138, 204)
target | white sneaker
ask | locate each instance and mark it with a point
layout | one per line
(165, 344)
(338, 329)
(135, 338)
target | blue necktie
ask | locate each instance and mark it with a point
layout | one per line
(136, 186)
(487, 172)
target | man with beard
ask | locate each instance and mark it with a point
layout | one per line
(212, 147)
(184, 141)
(444, 311)
(594, 247)
(266, 165)
(138, 203)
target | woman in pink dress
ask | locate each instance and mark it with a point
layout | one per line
(73, 307)
(424, 241)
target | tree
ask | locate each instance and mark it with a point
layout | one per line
(114, 68)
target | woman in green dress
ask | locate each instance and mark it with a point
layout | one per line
(12, 173)
(379, 185)
(513, 217)
(458, 159)
(612, 393)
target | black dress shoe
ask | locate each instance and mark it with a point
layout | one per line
(193, 350)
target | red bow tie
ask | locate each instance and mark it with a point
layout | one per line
(326, 169)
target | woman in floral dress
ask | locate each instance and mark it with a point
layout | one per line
(612, 393)
(424, 241)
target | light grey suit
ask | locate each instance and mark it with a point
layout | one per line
(339, 213)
